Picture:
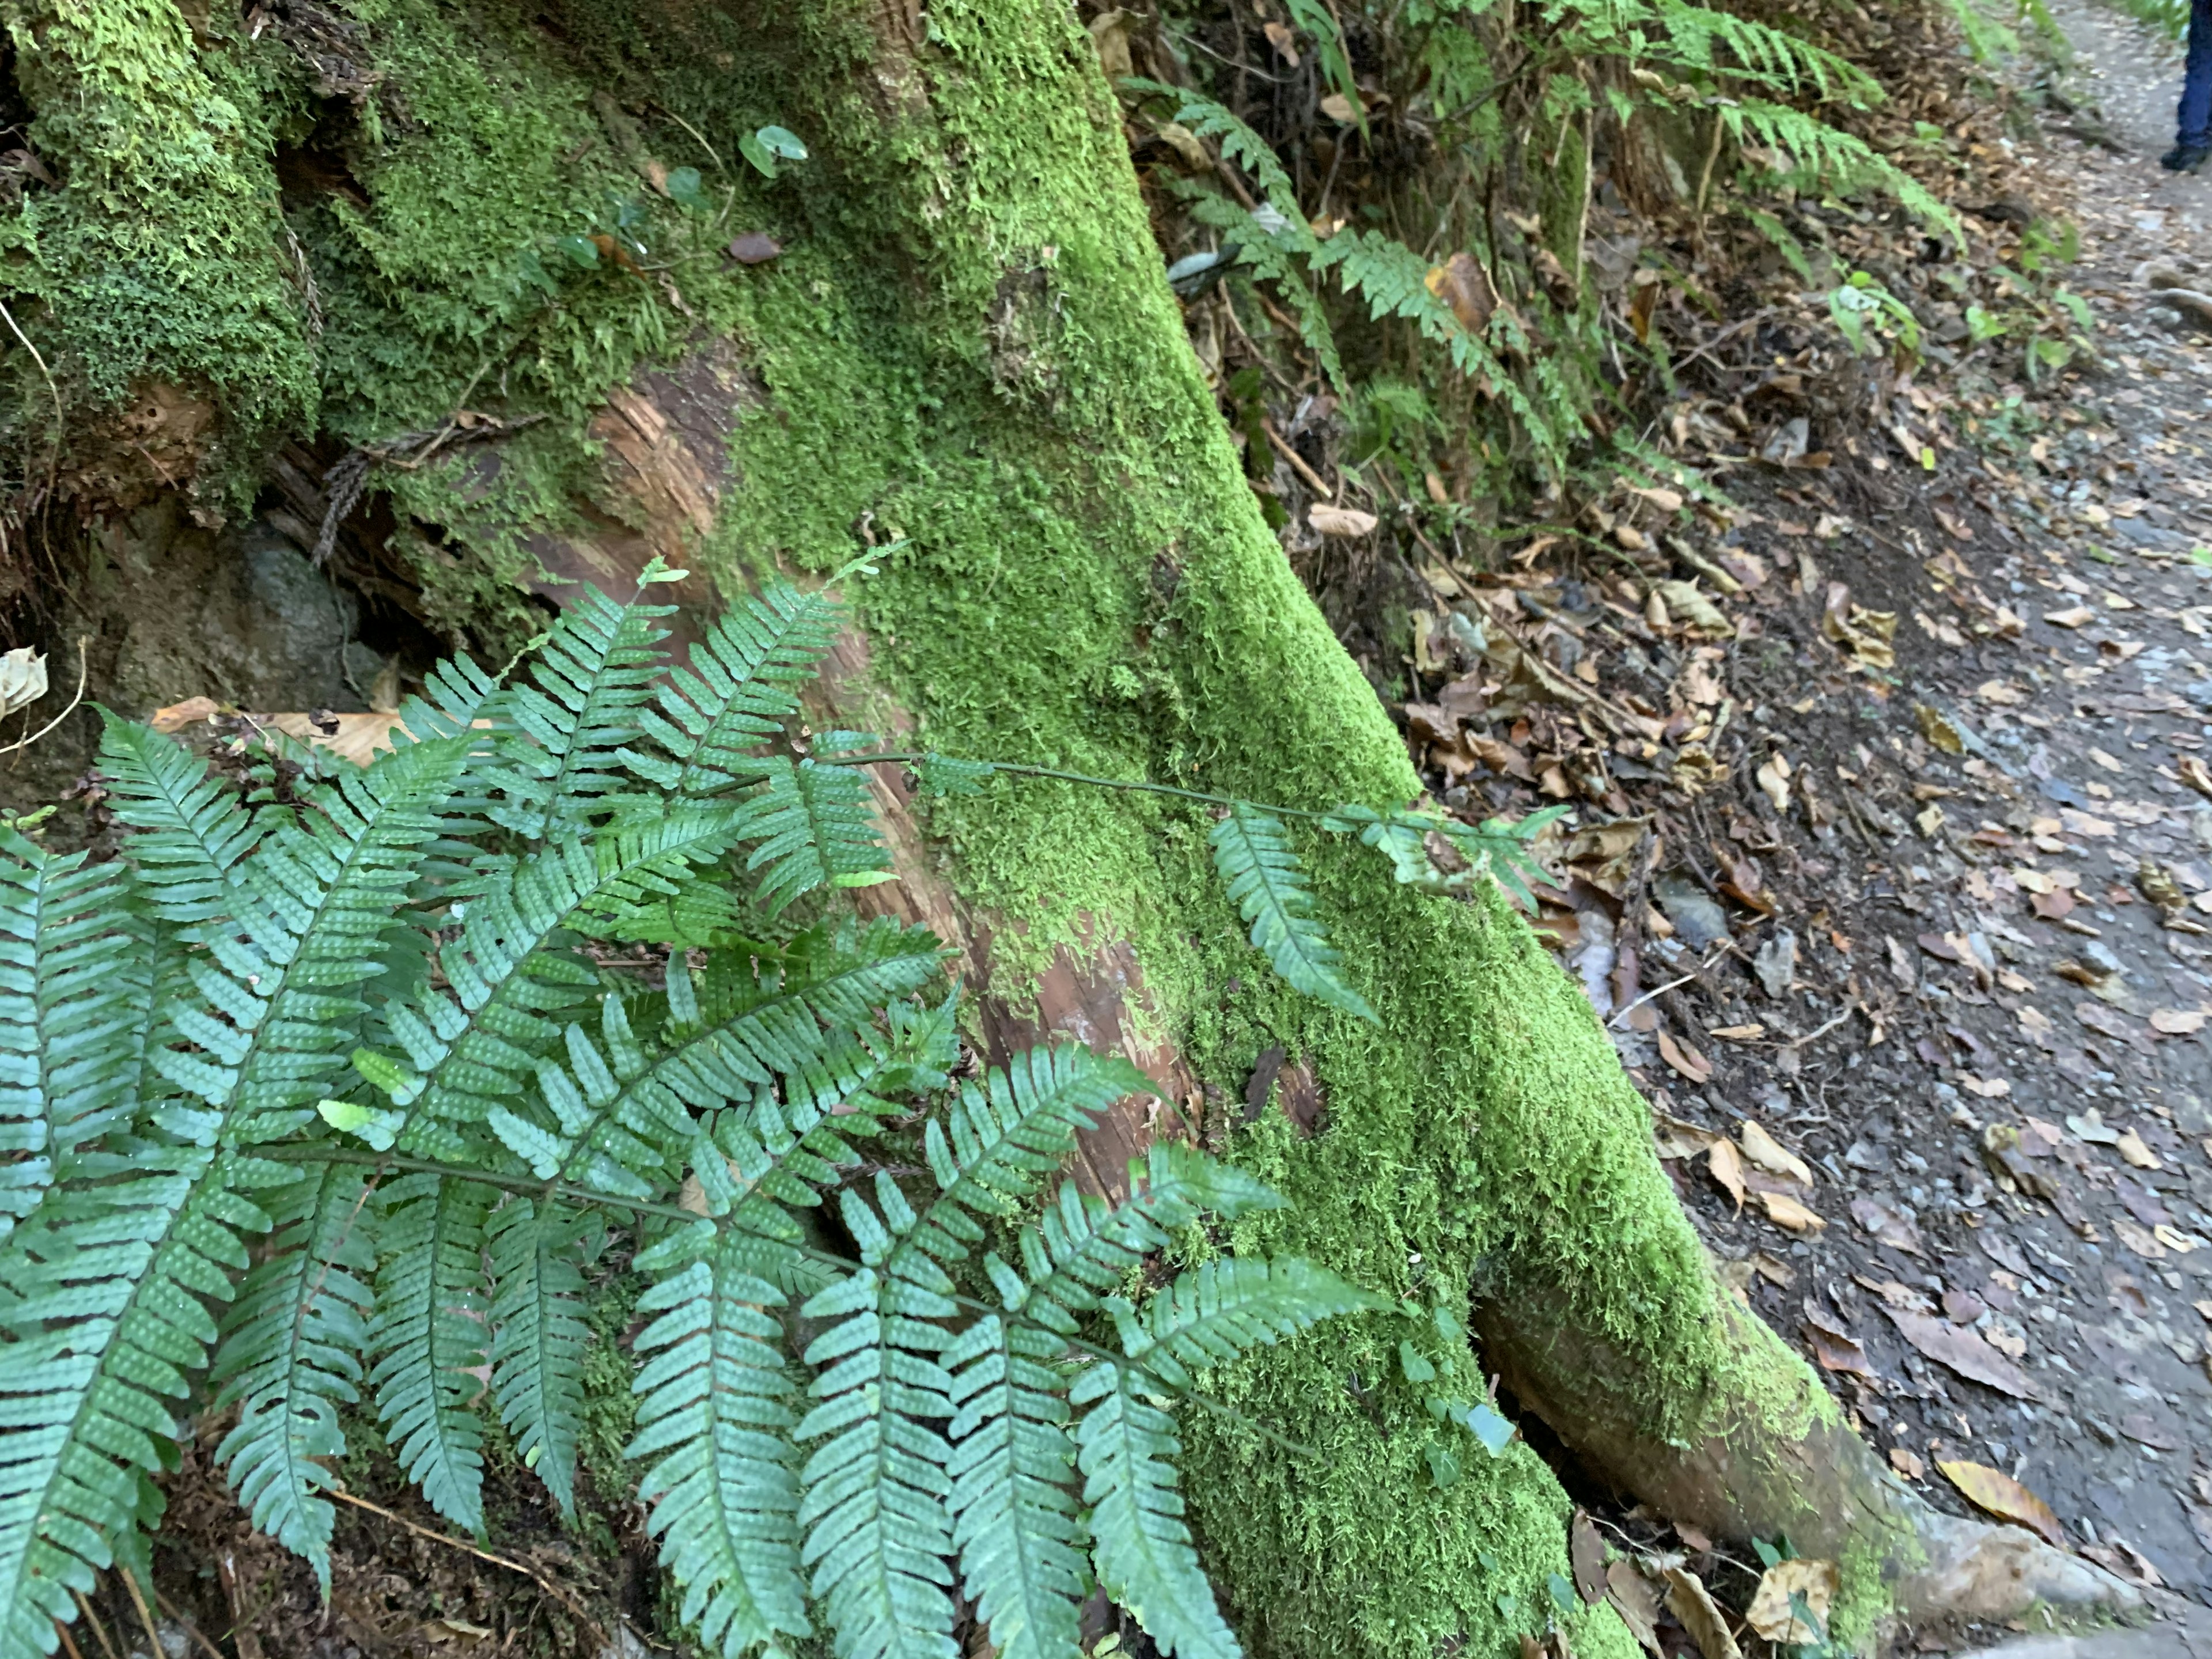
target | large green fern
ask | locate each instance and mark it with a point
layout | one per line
(218, 1038)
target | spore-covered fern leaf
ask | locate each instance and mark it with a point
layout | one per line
(537, 1348)
(741, 681)
(1015, 1518)
(290, 1357)
(723, 1490)
(192, 836)
(814, 829)
(1217, 1309)
(877, 1534)
(429, 1339)
(104, 1324)
(1126, 1448)
(589, 684)
(1268, 883)
(73, 962)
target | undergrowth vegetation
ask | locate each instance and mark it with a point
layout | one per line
(322, 1097)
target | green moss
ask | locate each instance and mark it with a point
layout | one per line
(161, 256)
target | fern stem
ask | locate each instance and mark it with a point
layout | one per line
(1137, 785)
(310, 1153)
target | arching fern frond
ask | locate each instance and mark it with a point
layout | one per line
(813, 827)
(73, 972)
(589, 685)
(741, 682)
(290, 1356)
(105, 1322)
(429, 1339)
(724, 1489)
(1268, 884)
(878, 1534)
(537, 1350)
(1218, 1308)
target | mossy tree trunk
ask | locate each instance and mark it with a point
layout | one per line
(966, 352)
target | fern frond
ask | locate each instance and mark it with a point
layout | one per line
(1819, 151)
(475, 1043)
(878, 1534)
(429, 1339)
(1239, 143)
(589, 683)
(539, 1336)
(723, 1491)
(1270, 252)
(1217, 1310)
(289, 1357)
(73, 972)
(1015, 1519)
(1268, 885)
(105, 1322)
(622, 1117)
(814, 829)
(1126, 1448)
(740, 684)
(1082, 1248)
(1762, 54)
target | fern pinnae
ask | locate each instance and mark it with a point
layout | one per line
(1126, 1448)
(72, 966)
(724, 1490)
(1015, 1517)
(106, 1321)
(587, 684)
(740, 683)
(539, 1336)
(813, 827)
(877, 1534)
(289, 1358)
(1265, 881)
(429, 1339)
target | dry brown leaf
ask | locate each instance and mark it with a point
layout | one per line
(1464, 286)
(1347, 521)
(1988, 1088)
(1586, 1551)
(1684, 1059)
(2006, 1499)
(1770, 1612)
(1784, 1211)
(2130, 1145)
(1774, 781)
(1907, 1463)
(1635, 1601)
(1688, 1601)
(1675, 1138)
(1726, 1166)
(2178, 1022)
(1837, 1351)
(1771, 1155)
(2076, 616)
(179, 715)
(1962, 1351)
(357, 738)
(1738, 1033)
(22, 679)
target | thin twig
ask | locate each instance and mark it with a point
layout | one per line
(94, 1619)
(25, 743)
(712, 153)
(190, 1629)
(447, 1539)
(145, 1613)
(68, 1643)
(1282, 446)
(60, 421)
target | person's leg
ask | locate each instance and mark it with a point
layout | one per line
(2194, 135)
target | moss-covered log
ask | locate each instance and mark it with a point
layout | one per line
(965, 353)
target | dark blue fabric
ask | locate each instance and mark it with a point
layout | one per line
(2196, 91)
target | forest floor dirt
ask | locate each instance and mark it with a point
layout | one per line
(1971, 998)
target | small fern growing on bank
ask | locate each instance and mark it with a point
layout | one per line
(312, 1100)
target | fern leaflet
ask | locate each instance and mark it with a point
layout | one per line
(1268, 883)
(538, 1354)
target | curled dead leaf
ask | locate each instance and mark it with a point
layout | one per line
(1688, 1599)
(1725, 1165)
(1771, 1155)
(1684, 1060)
(1786, 1211)
(1346, 522)
(2004, 1498)
(2178, 1022)
(22, 679)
